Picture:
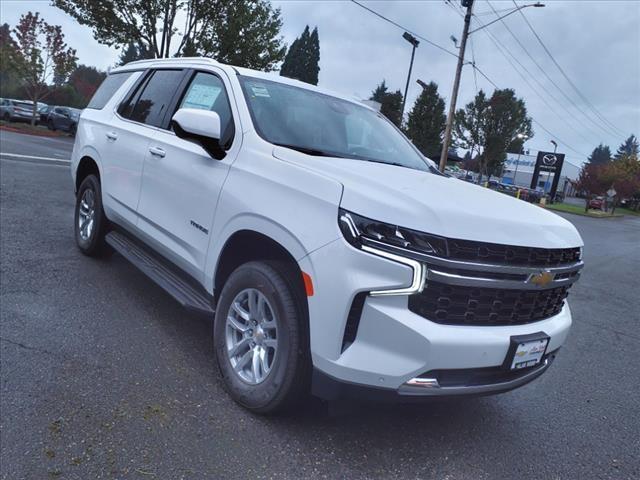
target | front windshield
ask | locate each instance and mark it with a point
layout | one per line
(319, 124)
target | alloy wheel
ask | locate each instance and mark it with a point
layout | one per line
(86, 214)
(251, 335)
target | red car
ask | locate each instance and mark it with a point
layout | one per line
(596, 203)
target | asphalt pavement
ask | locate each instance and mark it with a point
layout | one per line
(104, 376)
(36, 149)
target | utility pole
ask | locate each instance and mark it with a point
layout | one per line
(456, 85)
(415, 42)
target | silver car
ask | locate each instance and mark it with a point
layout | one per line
(16, 110)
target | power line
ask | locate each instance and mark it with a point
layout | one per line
(502, 49)
(575, 88)
(544, 72)
(533, 119)
(456, 55)
(473, 62)
(426, 40)
(499, 46)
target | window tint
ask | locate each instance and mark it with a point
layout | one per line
(206, 92)
(106, 90)
(156, 96)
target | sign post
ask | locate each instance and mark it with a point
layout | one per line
(549, 162)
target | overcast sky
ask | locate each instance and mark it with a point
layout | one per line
(597, 43)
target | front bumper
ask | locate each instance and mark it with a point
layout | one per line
(470, 384)
(394, 345)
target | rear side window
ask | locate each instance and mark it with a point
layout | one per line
(150, 105)
(106, 90)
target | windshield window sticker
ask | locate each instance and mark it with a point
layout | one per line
(260, 91)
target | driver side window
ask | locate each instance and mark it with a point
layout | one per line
(206, 92)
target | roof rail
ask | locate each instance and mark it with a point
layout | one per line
(204, 60)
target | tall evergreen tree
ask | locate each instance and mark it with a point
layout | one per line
(426, 123)
(313, 61)
(303, 58)
(629, 147)
(600, 155)
(390, 103)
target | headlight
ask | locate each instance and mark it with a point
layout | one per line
(373, 237)
(357, 230)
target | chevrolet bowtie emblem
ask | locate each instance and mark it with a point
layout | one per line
(541, 279)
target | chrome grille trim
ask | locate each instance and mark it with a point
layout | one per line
(432, 261)
(468, 281)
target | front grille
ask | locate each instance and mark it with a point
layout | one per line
(467, 250)
(462, 305)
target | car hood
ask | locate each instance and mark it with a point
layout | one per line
(437, 204)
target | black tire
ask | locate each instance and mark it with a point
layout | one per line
(51, 125)
(288, 379)
(94, 244)
(6, 117)
(72, 129)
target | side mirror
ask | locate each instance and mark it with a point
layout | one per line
(199, 126)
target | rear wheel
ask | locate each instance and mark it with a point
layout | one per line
(90, 221)
(6, 117)
(260, 340)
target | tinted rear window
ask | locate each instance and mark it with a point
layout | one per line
(151, 106)
(106, 90)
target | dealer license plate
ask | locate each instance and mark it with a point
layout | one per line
(529, 354)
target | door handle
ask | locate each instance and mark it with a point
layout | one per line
(157, 151)
(112, 135)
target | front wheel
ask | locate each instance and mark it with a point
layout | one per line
(260, 340)
(90, 220)
(51, 125)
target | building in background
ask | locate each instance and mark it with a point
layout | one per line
(518, 170)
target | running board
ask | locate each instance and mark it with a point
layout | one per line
(175, 284)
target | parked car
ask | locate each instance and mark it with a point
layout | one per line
(596, 203)
(43, 114)
(16, 110)
(329, 252)
(63, 118)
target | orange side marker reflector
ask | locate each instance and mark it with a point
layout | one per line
(308, 284)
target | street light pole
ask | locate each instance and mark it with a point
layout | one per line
(415, 42)
(456, 85)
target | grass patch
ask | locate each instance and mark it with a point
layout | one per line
(579, 210)
(627, 211)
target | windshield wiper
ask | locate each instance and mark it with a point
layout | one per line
(395, 164)
(309, 151)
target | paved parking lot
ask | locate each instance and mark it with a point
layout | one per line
(104, 376)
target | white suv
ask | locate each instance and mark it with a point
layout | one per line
(335, 257)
